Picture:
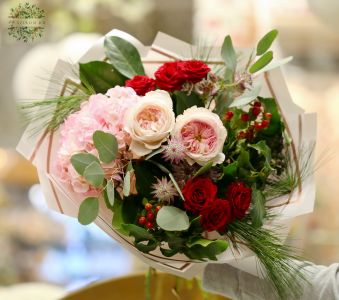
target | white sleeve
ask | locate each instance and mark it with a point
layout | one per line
(228, 281)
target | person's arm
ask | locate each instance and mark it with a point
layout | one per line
(236, 284)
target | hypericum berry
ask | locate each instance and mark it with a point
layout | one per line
(242, 135)
(157, 208)
(229, 115)
(142, 220)
(148, 206)
(268, 115)
(257, 104)
(258, 126)
(256, 110)
(265, 123)
(245, 117)
(149, 225)
(150, 216)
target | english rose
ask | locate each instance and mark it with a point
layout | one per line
(141, 84)
(199, 193)
(194, 70)
(216, 215)
(240, 197)
(149, 122)
(169, 76)
(203, 135)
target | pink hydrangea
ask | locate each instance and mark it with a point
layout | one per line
(100, 112)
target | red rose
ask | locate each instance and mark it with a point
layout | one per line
(141, 84)
(240, 197)
(216, 215)
(194, 70)
(199, 193)
(169, 76)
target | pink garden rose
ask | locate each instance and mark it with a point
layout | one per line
(150, 122)
(100, 112)
(203, 135)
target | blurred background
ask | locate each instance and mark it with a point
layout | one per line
(39, 245)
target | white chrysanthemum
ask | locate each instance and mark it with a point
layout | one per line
(164, 190)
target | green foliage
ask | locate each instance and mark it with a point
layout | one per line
(127, 184)
(231, 169)
(261, 62)
(143, 240)
(201, 249)
(258, 210)
(123, 56)
(146, 174)
(247, 97)
(110, 192)
(131, 205)
(106, 144)
(184, 101)
(204, 169)
(100, 75)
(229, 56)
(94, 174)
(88, 210)
(265, 43)
(81, 161)
(171, 218)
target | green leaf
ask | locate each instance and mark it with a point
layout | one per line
(258, 210)
(127, 184)
(172, 219)
(244, 160)
(94, 174)
(140, 234)
(261, 62)
(203, 248)
(229, 56)
(88, 210)
(265, 151)
(266, 41)
(168, 252)
(275, 64)
(230, 169)
(184, 101)
(100, 75)
(146, 174)
(146, 247)
(130, 208)
(106, 144)
(204, 169)
(117, 220)
(247, 97)
(123, 56)
(110, 192)
(81, 160)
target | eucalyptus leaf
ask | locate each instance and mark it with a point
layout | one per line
(94, 174)
(172, 219)
(88, 210)
(266, 41)
(127, 184)
(229, 56)
(110, 192)
(106, 144)
(263, 61)
(275, 64)
(80, 161)
(123, 56)
(258, 210)
(100, 75)
(247, 97)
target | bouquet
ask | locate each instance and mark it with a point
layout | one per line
(183, 154)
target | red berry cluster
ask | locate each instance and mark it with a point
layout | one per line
(147, 218)
(257, 118)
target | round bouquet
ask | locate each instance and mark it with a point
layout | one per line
(183, 155)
